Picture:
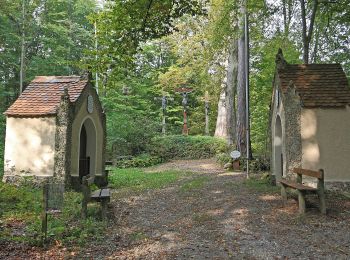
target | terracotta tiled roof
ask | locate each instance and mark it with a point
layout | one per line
(319, 85)
(43, 95)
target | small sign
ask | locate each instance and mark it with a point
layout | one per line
(235, 154)
(54, 199)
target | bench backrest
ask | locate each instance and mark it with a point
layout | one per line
(316, 174)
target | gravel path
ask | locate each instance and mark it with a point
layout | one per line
(223, 219)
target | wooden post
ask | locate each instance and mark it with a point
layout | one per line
(86, 194)
(320, 192)
(206, 102)
(301, 199)
(284, 195)
(299, 178)
(44, 213)
(104, 209)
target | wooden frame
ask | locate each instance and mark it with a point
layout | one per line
(302, 189)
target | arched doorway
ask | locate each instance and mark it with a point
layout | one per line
(87, 148)
(278, 155)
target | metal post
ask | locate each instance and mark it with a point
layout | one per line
(246, 36)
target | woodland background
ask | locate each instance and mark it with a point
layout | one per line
(145, 48)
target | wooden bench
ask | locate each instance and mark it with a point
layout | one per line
(302, 189)
(100, 195)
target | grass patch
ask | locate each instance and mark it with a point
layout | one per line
(261, 185)
(195, 184)
(138, 236)
(137, 180)
(20, 218)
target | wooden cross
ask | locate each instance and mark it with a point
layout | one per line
(164, 100)
(184, 92)
(206, 100)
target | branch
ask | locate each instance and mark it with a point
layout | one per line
(147, 15)
(312, 20)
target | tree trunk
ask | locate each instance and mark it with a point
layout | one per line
(21, 74)
(221, 121)
(241, 98)
(241, 88)
(231, 81)
(307, 34)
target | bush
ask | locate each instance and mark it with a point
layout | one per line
(186, 147)
(258, 164)
(23, 206)
(144, 160)
(223, 158)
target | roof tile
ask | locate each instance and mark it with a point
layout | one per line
(319, 85)
(43, 95)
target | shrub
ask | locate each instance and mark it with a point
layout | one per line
(186, 147)
(257, 164)
(144, 160)
(223, 158)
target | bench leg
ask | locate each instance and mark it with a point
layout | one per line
(301, 199)
(84, 209)
(322, 200)
(104, 209)
(284, 195)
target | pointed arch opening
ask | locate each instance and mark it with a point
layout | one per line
(87, 148)
(278, 144)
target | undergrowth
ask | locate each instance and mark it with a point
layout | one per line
(20, 218)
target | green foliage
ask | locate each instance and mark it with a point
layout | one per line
(197, 183)
(21, 206)
(143, 160)
(186, 147)
(223, 158)
(2, 142)
(138, 180)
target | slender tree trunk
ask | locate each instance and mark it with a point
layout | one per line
(315, 52)
(307, 34)
(241, 99)
(241, 88)
(221, 122)
(287, 15)
(21, 74)
(207, 107)
(231, 82)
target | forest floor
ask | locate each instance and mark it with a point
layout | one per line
(213, 214)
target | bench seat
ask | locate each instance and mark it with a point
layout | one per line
(297, 186)
(101, 194)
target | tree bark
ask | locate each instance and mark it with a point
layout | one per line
(241, 91)
(221, 121)
(21, 74)
(231, 82)
(307, 34)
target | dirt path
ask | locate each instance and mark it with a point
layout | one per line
(220, 218)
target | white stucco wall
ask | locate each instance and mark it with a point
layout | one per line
(325, 137)
(30, 146)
